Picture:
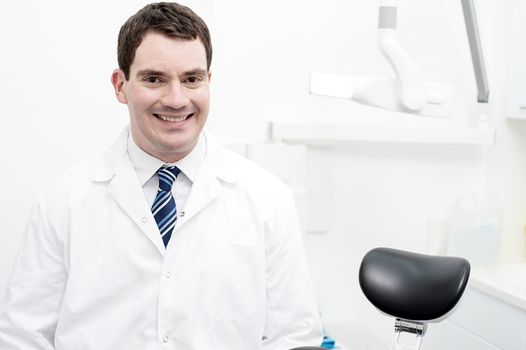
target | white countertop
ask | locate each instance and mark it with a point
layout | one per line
(506, 282)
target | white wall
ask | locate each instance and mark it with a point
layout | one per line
(58, 106)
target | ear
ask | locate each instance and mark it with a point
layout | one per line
(119, 83)
(209, 75)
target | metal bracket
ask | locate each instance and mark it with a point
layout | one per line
(418, 329)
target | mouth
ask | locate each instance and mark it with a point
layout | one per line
(173, 118)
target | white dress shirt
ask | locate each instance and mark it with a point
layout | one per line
(146, 167)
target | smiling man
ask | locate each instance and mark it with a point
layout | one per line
(166, 240)
(166, 89)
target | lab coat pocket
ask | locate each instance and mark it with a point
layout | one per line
(235, 288)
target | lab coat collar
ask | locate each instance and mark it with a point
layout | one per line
(218, 161)
(106, 165)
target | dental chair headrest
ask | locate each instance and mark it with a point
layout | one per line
(413, 286)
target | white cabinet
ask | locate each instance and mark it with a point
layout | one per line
(482, 322)
(516, 91)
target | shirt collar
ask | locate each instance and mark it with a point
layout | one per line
(147, 165)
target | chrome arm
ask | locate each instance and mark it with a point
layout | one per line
(475, 47)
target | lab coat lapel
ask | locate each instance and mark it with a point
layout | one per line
(116, 168)
(127, 192)
(217, 169)
(204, 190)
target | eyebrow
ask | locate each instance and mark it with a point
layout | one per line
(193, 72)
(147, 72)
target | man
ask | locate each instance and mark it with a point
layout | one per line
(166, 240)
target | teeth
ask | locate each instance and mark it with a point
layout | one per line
(171, 119)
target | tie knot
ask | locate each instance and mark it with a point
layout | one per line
(167, 177)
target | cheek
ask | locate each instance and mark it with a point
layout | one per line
(141, 99)
(203, 100)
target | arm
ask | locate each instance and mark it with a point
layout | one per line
(29, 315)
(292, 316)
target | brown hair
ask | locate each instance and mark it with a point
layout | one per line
(167, 18)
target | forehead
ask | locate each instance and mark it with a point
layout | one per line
(161, 52)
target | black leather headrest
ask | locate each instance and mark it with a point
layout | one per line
(413, 286)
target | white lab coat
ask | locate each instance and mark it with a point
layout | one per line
(93, 273)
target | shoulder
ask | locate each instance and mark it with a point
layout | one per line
(92, 171)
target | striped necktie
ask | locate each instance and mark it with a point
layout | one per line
(164, 209)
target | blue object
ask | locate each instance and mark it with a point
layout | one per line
(328, 343)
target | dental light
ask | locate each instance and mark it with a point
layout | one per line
(408, 92)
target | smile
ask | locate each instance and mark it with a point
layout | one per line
(173, 119)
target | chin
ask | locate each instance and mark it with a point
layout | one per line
(176, 151)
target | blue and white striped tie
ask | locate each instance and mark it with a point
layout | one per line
(164, 209)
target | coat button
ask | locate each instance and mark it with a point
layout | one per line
(144, 220)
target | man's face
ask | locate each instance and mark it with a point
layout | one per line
(167, 95)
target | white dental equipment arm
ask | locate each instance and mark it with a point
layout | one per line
(409, 92)
(413, 91)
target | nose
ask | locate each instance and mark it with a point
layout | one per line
(175, 96)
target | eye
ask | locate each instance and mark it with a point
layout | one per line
(193, 79)
(152, 80)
